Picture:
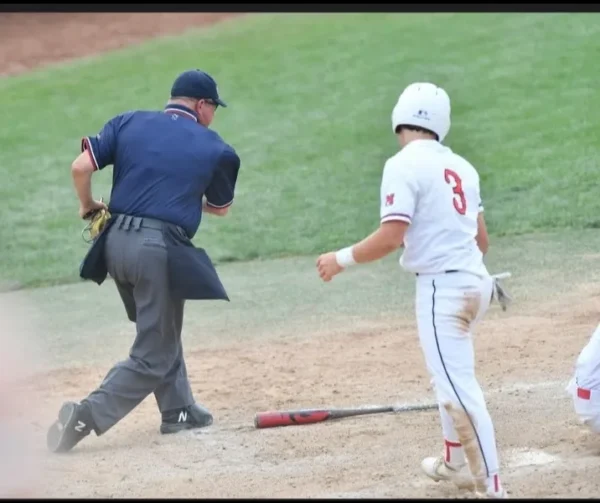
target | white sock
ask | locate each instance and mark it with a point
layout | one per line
(493, 483)
(454, 454)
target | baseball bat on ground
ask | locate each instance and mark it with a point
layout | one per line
(310, 416)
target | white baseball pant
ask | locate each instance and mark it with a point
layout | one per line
(584, 386)
(447, 306)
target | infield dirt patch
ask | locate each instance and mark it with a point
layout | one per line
(524, 360)
(29, 41)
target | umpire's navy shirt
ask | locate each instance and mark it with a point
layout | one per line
(164, 161)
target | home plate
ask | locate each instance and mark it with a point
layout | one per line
(518, 458)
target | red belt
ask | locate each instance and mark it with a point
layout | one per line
(584, 394)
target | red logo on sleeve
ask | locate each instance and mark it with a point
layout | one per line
(389, 200)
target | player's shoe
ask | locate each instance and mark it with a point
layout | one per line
(437, 469)
(492, 494)
(71, 427)
(187, 418)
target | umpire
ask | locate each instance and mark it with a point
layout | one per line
(168, 169)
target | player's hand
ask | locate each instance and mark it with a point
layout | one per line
(327, 266)
(86, 211)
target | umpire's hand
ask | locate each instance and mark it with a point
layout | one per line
(86, 211)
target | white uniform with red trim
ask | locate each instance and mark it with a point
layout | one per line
(444, 223)
(438, 193)
(584, 387)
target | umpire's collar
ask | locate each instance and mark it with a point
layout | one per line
(181, 110)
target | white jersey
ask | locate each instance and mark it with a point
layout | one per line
(437, 192)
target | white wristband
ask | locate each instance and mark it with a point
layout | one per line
(344, 257)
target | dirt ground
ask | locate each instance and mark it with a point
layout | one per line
(524, 360)
(523, 363)
(28, 41)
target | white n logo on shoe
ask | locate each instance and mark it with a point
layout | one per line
(182, 417)
(80, 426)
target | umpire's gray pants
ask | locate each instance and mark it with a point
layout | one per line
(136, 257)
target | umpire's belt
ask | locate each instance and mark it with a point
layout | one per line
(127, 222)
(191, 272)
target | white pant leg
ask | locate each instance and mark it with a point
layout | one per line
(584, 386)
(586, 405)
(448, 306)
(454, 454)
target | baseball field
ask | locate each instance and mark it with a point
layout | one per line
(310, 98)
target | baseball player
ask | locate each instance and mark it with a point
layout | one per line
(584, 386)
(168, 169)
(431, 206)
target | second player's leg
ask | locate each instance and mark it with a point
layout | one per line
(583, 387)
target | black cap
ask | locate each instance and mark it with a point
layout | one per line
(196, 84)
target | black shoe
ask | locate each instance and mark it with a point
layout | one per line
(69, 429)
(186, 418)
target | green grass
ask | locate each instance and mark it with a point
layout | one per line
(310, 102)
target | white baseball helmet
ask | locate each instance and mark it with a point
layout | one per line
(424, 105)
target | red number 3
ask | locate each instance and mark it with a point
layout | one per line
(459, 201)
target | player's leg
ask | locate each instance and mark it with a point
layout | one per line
(586, 403)
(584, 386)
(454, 454)
(446, 313)
(451, 465)
(174, 395)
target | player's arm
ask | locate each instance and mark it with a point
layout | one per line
(220, 193)
(385, 240)
(482, 239)
(397, 205)
(97, 152)
(398, 200)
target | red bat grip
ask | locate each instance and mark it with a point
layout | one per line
(274, 419)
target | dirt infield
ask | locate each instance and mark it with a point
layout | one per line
(524, 360)
(29, 41)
